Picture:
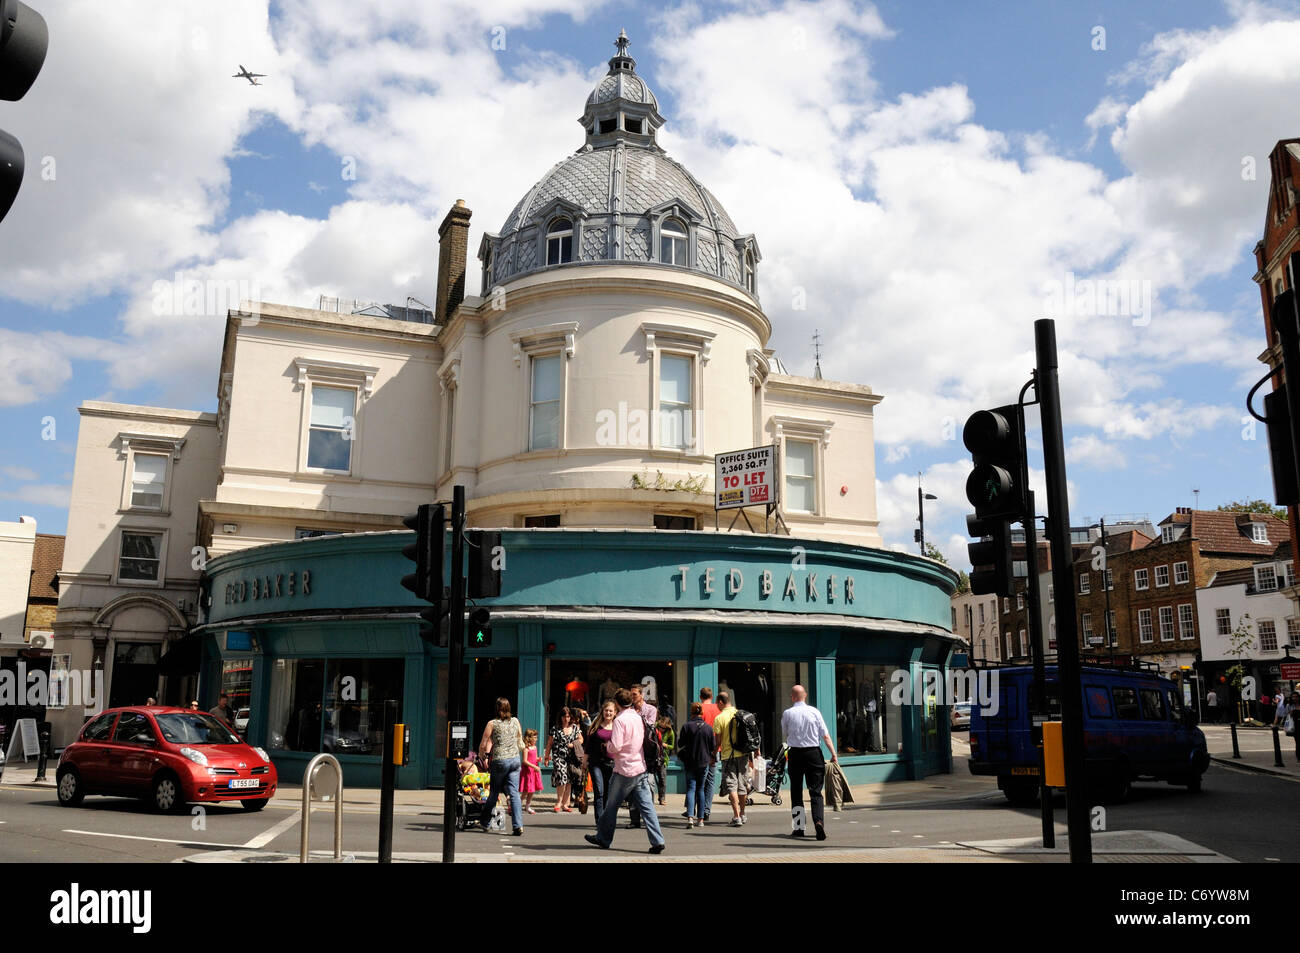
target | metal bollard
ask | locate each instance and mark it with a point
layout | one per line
(312, 768)
(1236, 750)
(44, 752)
(1277, 749)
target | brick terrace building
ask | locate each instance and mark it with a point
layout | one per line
(975, 619)
(43, 593)
(1154, 581)
(1281, 238)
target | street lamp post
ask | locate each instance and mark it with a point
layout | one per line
(921, 497)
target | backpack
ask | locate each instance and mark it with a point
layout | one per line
(745, 737)
(652, 749)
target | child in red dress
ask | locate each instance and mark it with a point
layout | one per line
(530, 779)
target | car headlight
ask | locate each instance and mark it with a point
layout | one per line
(198, 757)
(264, 756)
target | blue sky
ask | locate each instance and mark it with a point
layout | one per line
(951, 162)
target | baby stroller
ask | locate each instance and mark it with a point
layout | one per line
(474, 788)
(775, 776)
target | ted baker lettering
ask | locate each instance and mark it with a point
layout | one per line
(834, 588)
(277, 586)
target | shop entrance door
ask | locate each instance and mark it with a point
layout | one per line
(764, 689)
(493, 678)
(135, 673)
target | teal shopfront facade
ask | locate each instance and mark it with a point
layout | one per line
(320, 632)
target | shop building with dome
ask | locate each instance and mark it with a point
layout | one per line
(618, 344)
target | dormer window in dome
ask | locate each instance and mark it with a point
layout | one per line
(750, 279)
(673, 243)
(559, 242)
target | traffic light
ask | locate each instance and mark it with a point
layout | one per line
(426, 581)
(992, 569)
(995, 439)
(24, 38)
(486, 558)
(480, 628)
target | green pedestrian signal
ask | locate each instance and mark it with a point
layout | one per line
(480, 628)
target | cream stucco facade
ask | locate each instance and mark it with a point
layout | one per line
(620, 344)
(17, 543)
(129, 583)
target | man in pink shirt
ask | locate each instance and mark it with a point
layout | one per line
(630, 781)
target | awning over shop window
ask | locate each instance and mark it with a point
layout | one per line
(182, 656)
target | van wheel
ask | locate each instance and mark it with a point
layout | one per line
(1119, 788)
(1021, 794)
(1194, 784)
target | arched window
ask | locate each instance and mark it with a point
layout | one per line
(559, 242)
(672, 243)
(749, 272)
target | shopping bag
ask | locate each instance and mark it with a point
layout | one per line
(760, 774)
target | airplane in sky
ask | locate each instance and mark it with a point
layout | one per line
(245, 74)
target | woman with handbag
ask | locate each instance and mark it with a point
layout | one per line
(562, 739)
(598, 763)
(503, 740)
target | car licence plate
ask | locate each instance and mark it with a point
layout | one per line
(244, 783)
(1030, 771)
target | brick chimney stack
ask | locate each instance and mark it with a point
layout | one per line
(453, 246)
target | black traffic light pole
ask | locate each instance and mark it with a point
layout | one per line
(1067, 649)
(455, 660)
(1037, 649)
(1037, 639)
(387, 783)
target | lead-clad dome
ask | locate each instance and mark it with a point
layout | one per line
(619, 198)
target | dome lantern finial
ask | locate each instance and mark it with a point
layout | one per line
(621, 43)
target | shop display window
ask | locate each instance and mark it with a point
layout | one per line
(332, 705)
(587, 683)
(858, 728)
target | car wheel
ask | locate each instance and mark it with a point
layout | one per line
(255, 805)
(167, 795)
(70, 790)
(1194, 784)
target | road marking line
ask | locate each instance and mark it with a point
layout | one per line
(157, 840)
(261, 840)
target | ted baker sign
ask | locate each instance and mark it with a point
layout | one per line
(803, 586)
(744, 478)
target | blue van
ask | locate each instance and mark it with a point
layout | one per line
(1135, 728)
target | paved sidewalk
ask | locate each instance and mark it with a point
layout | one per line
(961, 784)
(1256, 747)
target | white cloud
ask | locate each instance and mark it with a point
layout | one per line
(869, 188)
(1090, 450)
(18, 473)
(42, 494)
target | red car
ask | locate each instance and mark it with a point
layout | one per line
(169, 756)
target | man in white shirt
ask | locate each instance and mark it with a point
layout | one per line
(805, 730)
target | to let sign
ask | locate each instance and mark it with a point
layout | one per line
(745, 478)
